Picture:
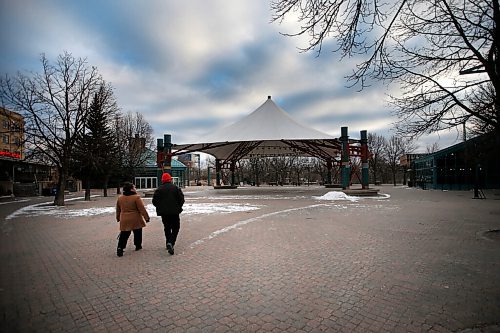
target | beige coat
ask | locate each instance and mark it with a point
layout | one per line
(130, 211)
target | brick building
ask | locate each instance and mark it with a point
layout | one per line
(11, 134)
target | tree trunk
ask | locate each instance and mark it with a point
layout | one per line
(105, 185)
(61, 187)
(87, 189)
(374, 169)
(496, 152)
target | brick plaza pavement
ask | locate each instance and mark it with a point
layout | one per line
(419, 261)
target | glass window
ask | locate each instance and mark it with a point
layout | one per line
(145, 182)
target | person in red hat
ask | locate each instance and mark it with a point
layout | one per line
(168, 200)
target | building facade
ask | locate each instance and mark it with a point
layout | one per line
(11, 134)
(149, 177)
(467, 165)
(407, 162)
(19, 177)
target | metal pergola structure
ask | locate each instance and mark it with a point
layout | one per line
(269, 132)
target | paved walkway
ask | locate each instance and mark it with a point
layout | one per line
(418, 261)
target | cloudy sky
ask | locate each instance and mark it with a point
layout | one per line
(194, 66)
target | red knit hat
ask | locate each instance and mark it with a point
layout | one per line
(166, 178)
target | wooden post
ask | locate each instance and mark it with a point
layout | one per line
(167, 138)
(364, 160)
(329, 165)
(160, 159)
(345, 166)
(217, 172)
(233, 180)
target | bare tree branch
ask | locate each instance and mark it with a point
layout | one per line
(54, 104)
(418, 45)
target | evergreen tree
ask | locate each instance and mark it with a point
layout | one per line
(96, 147)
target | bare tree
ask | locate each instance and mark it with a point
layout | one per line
(54, 104)
(211, 170)
(483, 101)
(395, 148)
(280, 167)
(135, 141)
(432, 148)
(377, 146)
(422, 46)
(301, 166)
(319, 169)
(256, 166)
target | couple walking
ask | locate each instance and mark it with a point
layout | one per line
(133, 216)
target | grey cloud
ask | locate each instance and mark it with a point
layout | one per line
(191, 66)
(235, 73)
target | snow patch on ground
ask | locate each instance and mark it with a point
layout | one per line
(336, 195)
(212, 208)
(44, 209)
(250, 197)
(190, 208)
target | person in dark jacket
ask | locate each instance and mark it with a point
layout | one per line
(168, 200)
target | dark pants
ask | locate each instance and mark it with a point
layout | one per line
(171, 226)
(124, 235)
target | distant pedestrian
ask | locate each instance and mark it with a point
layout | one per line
(168, 200)
(131, 214)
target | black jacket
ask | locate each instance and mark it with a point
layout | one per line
(168, 199)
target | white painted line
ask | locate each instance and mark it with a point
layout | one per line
(253, 219)
(14, 201)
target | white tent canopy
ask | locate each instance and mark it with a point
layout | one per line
(267, 122)
(267, 131)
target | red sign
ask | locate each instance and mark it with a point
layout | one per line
(9, 154)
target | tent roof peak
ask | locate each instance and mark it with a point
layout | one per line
(267, 122)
